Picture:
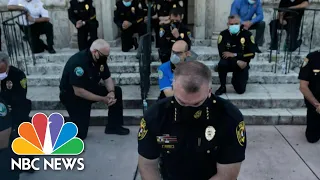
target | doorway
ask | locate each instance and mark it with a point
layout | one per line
(189, 13)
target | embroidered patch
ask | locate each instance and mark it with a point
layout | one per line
(219, 39)
(252, 39)
(23, 83)
(210, 133)
(3, 110)
(161, 32)
(189, 34)
(9, 85)
(305, 62)
(160, 74)
(143, 131)
(197, 115)
(79, 71)
(241, 133)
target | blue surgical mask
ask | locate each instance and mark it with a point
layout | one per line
(127, 4)
(234, 29)
(175, 59)
(251, 1)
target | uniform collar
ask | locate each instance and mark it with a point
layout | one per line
(210, 107)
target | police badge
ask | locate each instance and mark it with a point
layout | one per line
(101, 68)
(87, 7)
(242, 40)
(133, 10)
(140, 6)
(210, 133)
(9, 85)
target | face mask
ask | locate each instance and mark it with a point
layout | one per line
(251, 1)
(3, 76)
(127, 4)
(102, 60)
(175, 59)
(234, 29)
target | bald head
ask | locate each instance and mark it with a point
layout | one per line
(180, 46)
(100, 50)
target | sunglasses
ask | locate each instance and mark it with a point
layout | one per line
(101, 54)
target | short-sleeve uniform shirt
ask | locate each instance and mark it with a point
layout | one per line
(35, 8)
(166, 75)
(190, 141)
(310, 71)
(81, 71)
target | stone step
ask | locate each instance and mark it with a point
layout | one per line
(134, 78)
(116, 55)
(251, 116)
(257, 96)
(133, 67)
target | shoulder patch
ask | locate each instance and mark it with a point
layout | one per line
(143, 130)
(305, 62)
(252, 39)
(189, 34)
(158, 7)
(3, 110)
(160, 74)
(23, 83)
(78, 71)
(241, 133)
(219, 39)
(181, 3)
(161, 32)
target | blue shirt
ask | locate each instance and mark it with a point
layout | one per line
(165, 76)
(246, 11)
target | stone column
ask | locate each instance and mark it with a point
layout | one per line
(200, 19)
(110, 30)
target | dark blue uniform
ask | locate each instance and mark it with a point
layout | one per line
(165, 73)
(86, 12)
(81, 71)
(190, 140)
(6, 153)
(310, 71)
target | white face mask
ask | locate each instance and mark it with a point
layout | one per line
(3, 76)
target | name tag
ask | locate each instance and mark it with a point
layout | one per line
(167, 139)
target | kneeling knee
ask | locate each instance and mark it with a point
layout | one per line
(311, 138)
(241, 90)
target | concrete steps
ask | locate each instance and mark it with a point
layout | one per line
(133, 67)
(251, 116)
(261, 104)
(134, 78)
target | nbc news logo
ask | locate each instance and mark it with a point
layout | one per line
(48, 137)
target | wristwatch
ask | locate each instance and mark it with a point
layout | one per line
(83, 23)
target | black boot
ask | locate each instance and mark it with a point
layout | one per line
(119, 130)
(221, 90)
(135, 43)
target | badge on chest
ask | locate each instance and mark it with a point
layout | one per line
(9, 85)
(210, 133)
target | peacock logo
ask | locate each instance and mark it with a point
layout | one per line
(47, 136)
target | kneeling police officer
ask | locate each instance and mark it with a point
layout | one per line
(310, 87)
(5, 143)
(79, 88)
(194, 134)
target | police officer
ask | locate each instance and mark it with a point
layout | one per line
(5, 143)
(194, 134)
(310, 88)
(170, 33)
(13, 83)
(236, 48)
(165, 71)
(143, 13)
(36, 23)
(82, 14)
(79, 88)
(165, 6)
(126, 18)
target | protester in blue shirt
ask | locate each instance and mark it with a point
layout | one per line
(246, 9)
(179, 54)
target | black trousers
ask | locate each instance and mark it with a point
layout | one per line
(259, 27)
(79, 111)
(34, 31)
(83, 32)
(313, 126)
(156, 27)
(5, 165)
(127, 38)
(239, 78)
(292, 28)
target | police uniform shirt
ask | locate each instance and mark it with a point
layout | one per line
(166, 75)
(35, 8)
(190, 142)
(14, 87)
(81, 71)
(310, 71)
(242, 44)
(289, 3)
(143, 9)
(164, 7)
(123, 13)
(167, 37)
(81, 11)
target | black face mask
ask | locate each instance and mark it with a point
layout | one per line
(102, 60)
